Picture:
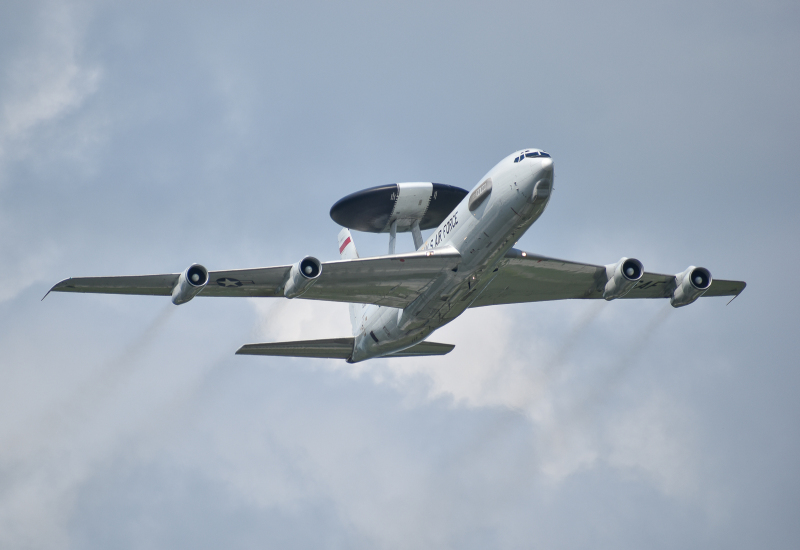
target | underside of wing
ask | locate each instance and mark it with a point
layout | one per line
(533, 278)
(725, 288)
(525, 277)
(149, 285)
(393, 281)
(239, 282)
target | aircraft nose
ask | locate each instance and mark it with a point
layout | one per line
(542, 180)
(542, 169)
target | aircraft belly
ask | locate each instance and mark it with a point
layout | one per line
(482, 237)
(381, 335)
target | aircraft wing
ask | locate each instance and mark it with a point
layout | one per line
(393, 281)
(534, 278)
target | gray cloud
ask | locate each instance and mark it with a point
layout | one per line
(142, 138)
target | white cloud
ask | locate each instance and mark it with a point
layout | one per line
(239, 126)
(43, 81)
(47, 79)
(656, 439)
(502, 359)
(70, 416)
(22, 266)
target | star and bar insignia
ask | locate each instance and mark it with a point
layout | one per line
(228, 282)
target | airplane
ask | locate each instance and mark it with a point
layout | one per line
(399, 299)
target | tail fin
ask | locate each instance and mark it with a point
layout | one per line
(347, 250)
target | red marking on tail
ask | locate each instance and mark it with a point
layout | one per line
(344, 245)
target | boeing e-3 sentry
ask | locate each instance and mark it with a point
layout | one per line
(398, 300)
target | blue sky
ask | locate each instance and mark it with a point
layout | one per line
(141, 138)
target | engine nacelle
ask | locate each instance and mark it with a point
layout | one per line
(189, 284)
(690, 285)
(622, 277)
(302, 276)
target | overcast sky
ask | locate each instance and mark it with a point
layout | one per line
(140, 137)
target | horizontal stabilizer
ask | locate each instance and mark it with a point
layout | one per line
(335, 348)
(424, 348)
(332, 348)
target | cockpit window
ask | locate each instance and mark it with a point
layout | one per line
(532, 154)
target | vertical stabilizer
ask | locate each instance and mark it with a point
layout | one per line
(347, 250)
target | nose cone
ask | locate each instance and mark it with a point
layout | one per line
(542, 169)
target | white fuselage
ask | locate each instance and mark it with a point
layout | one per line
(516, 193)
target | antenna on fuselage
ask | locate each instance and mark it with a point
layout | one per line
(392, 236)
(417, 234)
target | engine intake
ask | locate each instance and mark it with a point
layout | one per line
(302, 276)
(189, 284)
(622, 277)
(690, 285)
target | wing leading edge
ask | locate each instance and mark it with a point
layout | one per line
(524, 277)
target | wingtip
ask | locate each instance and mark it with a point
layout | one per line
(245, 349)
(744, 285)
(53, 288)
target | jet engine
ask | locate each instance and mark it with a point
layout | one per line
(690, 285)
(622, 277)
(189, 284)
(302, 276)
